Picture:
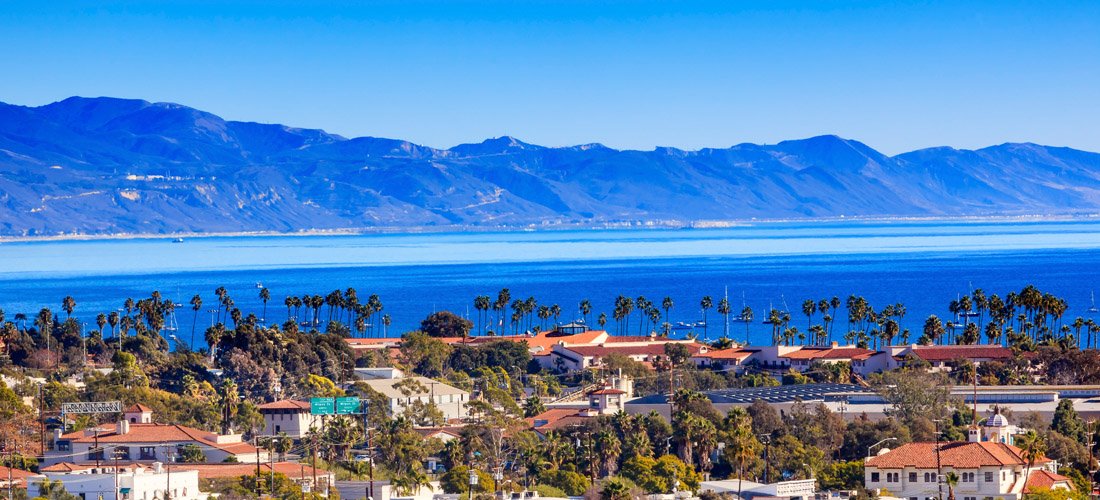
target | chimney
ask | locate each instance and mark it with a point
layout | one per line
(158, 467)
(123, 427)
(835, 344)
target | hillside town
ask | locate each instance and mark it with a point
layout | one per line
(567, 411)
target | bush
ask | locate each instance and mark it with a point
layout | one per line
(545, 490)
(572, 483)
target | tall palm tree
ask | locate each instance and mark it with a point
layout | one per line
(724, 310)
(608, 447)
(585, 308)
(1033, 447)
(67, 305)
(809, 308)
(602, 320)
(482, 305)
(746, 317)
(196, 306)
(265, 295)
(386, 320)
(705, 303)
(667, 304)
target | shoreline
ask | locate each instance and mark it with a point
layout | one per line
(545, 227)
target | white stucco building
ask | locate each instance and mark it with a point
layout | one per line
(127, 483)
(986, 469)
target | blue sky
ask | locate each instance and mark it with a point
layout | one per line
(690, 74)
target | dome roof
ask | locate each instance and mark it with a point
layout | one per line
(997, 420)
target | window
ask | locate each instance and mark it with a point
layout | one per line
(912, 477)
(64, 446)
(892, 477)
(122, 452)
(968, 477)
(874, 477)
(95, 454)
(989, 476)
(929, 477)
(147, 453)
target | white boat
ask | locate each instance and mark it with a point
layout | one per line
(1092, 308)
(259, 285)
(177, 240)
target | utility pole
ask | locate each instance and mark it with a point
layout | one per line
(767, 438)
(256, 441)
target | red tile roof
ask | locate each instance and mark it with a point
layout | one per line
(621, 339)
(654, 349)
(812, 353)
(953, 352)
(158, 433)
(286, 404)
(18, 476)
(555, 418)
(959, 455)
(294, 471)
(725, 354)
(1044, 479)
(606, 391)
(138, 408)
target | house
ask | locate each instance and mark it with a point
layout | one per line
(134, 482)
(289, 416)
(298, 472)
(607, 400)
(939, 356)
(13, 478)
(403, 392)
(985, 469)
(862, 361)
(723, 359)
(137, 438)
(580, 357)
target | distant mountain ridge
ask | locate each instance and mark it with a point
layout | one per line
(106, 166)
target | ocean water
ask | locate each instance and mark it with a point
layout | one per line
(921, 264)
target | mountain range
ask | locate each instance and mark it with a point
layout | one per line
(123, 166)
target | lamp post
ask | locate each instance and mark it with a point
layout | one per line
(869, 448)
(767, 439)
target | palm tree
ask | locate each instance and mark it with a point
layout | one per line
(265, 295)
(386, 320)
(602, 320)
(67, 305)
(585, 307)
(609, 448)
(746, 317)
(196, 306)
(724, 310)
(951, 480)
(1033, 447)
(809, 308)
(705, 303)
(481, 304)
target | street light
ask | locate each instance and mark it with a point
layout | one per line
(878, 443)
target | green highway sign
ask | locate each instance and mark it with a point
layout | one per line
(321, 406)
(347, 405)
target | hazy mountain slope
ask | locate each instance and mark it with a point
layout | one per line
(108, 165)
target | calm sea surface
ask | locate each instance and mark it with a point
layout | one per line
(922, 264)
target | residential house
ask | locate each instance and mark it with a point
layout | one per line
(403, 392)
(137, 438)
(940, 356)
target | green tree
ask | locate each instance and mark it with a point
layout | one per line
(192, 454)
(446, 324)
(1067, 422)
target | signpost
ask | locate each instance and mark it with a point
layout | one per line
(347, 406)
(92, 407)
(334, 406)
(321, 406)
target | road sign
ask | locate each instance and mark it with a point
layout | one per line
(347, 405)
(92, 407)
(321, 406)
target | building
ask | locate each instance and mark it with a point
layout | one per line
(403, 392)
(579, 357)
(723, 359)
(137, 438)
(286, 416)
(939, 356)
(986, 469)
(862, 361)
(13, 478)
(802, 489)
(134, 482)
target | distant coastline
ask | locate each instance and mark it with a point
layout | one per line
(548, 227)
